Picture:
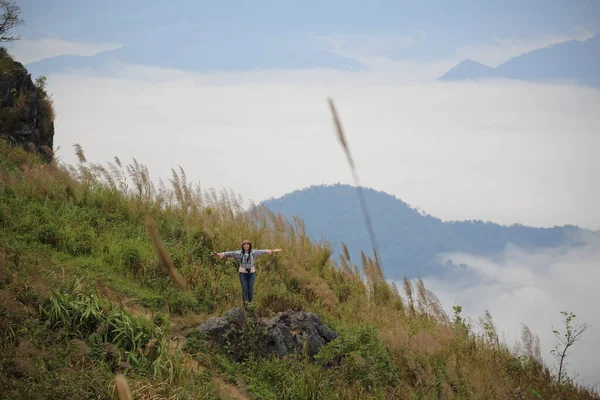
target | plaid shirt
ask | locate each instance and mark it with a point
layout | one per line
(247, 261)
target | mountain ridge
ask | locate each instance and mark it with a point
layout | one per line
(574, 61)
(411, 241)
(233, 56)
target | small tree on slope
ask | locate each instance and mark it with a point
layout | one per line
(567, 339)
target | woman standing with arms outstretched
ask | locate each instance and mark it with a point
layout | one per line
(247, 271)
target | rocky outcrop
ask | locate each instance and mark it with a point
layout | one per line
(26, 112)
(290, 332)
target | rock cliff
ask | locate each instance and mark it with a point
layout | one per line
(26, 110)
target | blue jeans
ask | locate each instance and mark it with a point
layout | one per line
(247, 282)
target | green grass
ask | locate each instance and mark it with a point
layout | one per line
(84, 297)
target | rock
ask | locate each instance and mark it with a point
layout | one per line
(217, 327)
(26, 112)
(288, 330)
(283, 334)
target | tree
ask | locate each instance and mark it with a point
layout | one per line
(565, 340)
(10, 18)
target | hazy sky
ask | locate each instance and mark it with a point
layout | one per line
(504, 151)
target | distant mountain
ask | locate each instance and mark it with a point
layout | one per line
(201, 54)
(409, 241)
(569, 62)
(468, 69)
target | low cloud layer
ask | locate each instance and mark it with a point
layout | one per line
(503, 151)
(532, 288)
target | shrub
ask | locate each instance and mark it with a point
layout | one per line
(35, 215)
(47, 234)
(278, 299)
(76, 243)
(3, 217)
(82, 243)
(161, 320)
(151, 301)
(181, 302)
(360, 356)
(196, 342)
(132, 259)
(244, 338)
(201, 245)
(294, 285)
(114, 335)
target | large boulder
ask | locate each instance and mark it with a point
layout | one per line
(291, 329)
(289, 332)
(26, 111)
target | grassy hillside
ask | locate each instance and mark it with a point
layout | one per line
(84, 297)
(409, 240)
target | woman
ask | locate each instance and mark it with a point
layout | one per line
(247, 271)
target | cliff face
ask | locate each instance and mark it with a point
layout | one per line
(26, 111)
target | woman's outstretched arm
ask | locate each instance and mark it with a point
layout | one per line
(261, 252)
(232, 253)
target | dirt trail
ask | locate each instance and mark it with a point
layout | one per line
(227, 391)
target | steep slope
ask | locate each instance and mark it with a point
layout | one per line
(84, 299)
(409, 242)
(569, 62)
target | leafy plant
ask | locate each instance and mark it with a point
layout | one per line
(360, 356)
(40, 85)
(115, 335)
(565, 340)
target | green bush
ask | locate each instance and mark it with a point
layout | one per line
(277, 299)
(83, 243)
(267, 378)
(151, 301)
(243, 340)
(196, 342)
(181, 302)
(3, 217)
(201, 246)
(294, 285)
(35, 215)
(114, 335)
(47, 234)
(171, 229)
(161, 320)
(359, 355)
(76, 243)
(132, 259)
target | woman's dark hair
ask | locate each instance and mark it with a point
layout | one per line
(249, 250)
